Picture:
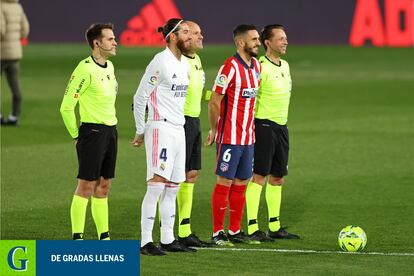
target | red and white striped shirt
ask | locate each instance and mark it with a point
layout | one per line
(239, 84)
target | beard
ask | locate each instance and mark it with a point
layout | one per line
(181, 46)
(250, 51)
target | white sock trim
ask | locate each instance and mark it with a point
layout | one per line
(215, 234)
(234, 233)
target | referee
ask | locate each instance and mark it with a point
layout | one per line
(192, 109)
(272, 137)
(94, 86)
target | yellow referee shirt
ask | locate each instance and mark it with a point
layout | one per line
(192, 105)
(274, 92)
(95, 87)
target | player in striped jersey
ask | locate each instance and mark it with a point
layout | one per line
(163, 89)
(231, 116)
(272, 136)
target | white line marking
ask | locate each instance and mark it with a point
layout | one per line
(309, 251)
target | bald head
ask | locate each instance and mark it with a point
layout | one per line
(192, 24)
(196, 38)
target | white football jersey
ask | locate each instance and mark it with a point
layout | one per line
(163, 89)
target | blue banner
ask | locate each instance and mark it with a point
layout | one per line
(87, 257)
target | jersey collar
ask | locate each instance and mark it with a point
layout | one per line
(278, 65)
(189, 56)
(238, 57)
(100, 65)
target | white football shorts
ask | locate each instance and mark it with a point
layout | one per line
(165, 149)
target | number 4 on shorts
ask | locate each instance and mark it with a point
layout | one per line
(163, 154)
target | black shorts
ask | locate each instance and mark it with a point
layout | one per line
(97, 148)
(193, 143)
(271, 150)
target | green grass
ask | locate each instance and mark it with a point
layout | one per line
(351, 162)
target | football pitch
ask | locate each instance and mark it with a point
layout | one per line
(351, 162)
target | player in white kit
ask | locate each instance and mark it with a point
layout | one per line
(163, 89)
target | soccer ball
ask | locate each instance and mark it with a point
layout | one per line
(352, 239)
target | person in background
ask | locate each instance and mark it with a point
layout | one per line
(14, 28)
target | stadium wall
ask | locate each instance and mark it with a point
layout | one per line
(354, 22)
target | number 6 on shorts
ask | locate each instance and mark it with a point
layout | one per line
(234, 161)
(227, 155)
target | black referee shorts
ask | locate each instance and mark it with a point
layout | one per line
(97, 148)
(193, 143)
(271, 149)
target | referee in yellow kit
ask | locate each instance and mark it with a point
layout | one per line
(94, 86)
(270, 157)
(192, 109)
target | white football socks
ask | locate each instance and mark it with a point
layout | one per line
(167, 212)
(149, 209)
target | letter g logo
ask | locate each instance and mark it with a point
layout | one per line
(23, 262)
